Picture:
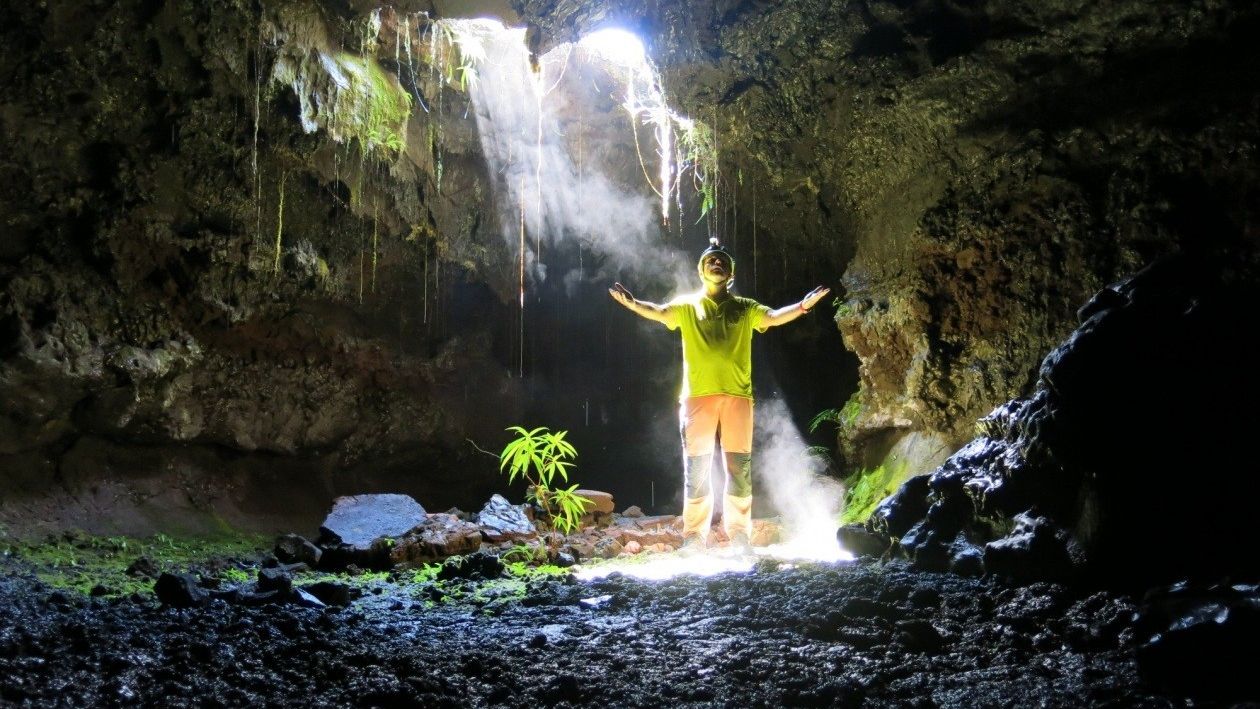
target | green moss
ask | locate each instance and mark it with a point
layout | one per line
(369, 104)
(865, 489)
(80, 563)
(351, 96)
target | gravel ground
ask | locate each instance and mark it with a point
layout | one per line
(818, 635)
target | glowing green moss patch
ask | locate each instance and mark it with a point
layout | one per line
(81, 563)
(865, 489)
(350, 96)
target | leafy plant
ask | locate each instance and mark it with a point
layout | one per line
(540, 456)
(865, 489)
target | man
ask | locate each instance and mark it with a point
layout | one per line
(717, 397)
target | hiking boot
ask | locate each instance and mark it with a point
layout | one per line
(740, 544)
(693, 545)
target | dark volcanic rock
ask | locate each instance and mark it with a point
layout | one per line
(275, 580)
(1201, 641)
(180, 590)
(1102, 448)
(862, 542)
(1035, 549)
(501, 521)
(332, 593)
(440, 536)
(359, 520)
(295, 549)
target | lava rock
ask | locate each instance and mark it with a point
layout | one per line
(180, 591)
(862, 542)
(330, 592)
(1201, 641)
(439, 537)
(143, 566)
(600, 502)
(359, 520)
(275, 580)
(501, 521)
(1035, 549)
(473, 566)
(295, 549)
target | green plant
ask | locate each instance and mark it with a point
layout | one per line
(865, 489)
(234, 575)
(539, 456)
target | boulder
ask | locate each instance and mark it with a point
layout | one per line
(331, 593)
(862, 542)
(359, 520)
(474, 566)
(296, 549)
(275, 580)
(1036, 549)
(440, 536)
(180, 591)
(501, 521)
(600, 502)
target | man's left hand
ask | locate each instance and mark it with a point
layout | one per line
(812, 298)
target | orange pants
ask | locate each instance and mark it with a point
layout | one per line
(704, 420)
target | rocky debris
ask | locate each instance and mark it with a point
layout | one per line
(1085, 476)
(143, 566)
(440, 536)
(474, 566)
(180, 591)
(276, 580)
(862, 542)
(601, 503)
(1200, 640)
(296, 549)
(815, 635)
(632, 511)
(501, 521)
(359, 520)
(332, 593)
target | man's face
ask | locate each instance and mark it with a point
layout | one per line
(715, 268)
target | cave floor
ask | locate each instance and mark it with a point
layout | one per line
(810, 635)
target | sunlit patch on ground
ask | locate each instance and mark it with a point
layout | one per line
(715, 561)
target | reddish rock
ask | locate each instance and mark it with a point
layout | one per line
(600, 502)
(632, 547)
(438, 537)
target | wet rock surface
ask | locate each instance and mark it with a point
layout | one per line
(1091, 474)
(359, 520)
(814, 635)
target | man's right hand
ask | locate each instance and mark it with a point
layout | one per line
(621, 295)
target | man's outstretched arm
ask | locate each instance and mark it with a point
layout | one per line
(788, 313)
(651, 311)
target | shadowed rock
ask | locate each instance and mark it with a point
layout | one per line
(1098, 471)
(180, 591)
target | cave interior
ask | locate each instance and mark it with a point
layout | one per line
(267, 265)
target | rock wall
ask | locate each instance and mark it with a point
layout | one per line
(976, 170)
(208, 267)
(210, 295)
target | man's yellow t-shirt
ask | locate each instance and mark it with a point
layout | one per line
(717, 343)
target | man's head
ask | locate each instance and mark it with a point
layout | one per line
(716, 264)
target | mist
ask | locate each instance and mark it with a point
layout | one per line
(807, 501)
(544, 193)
